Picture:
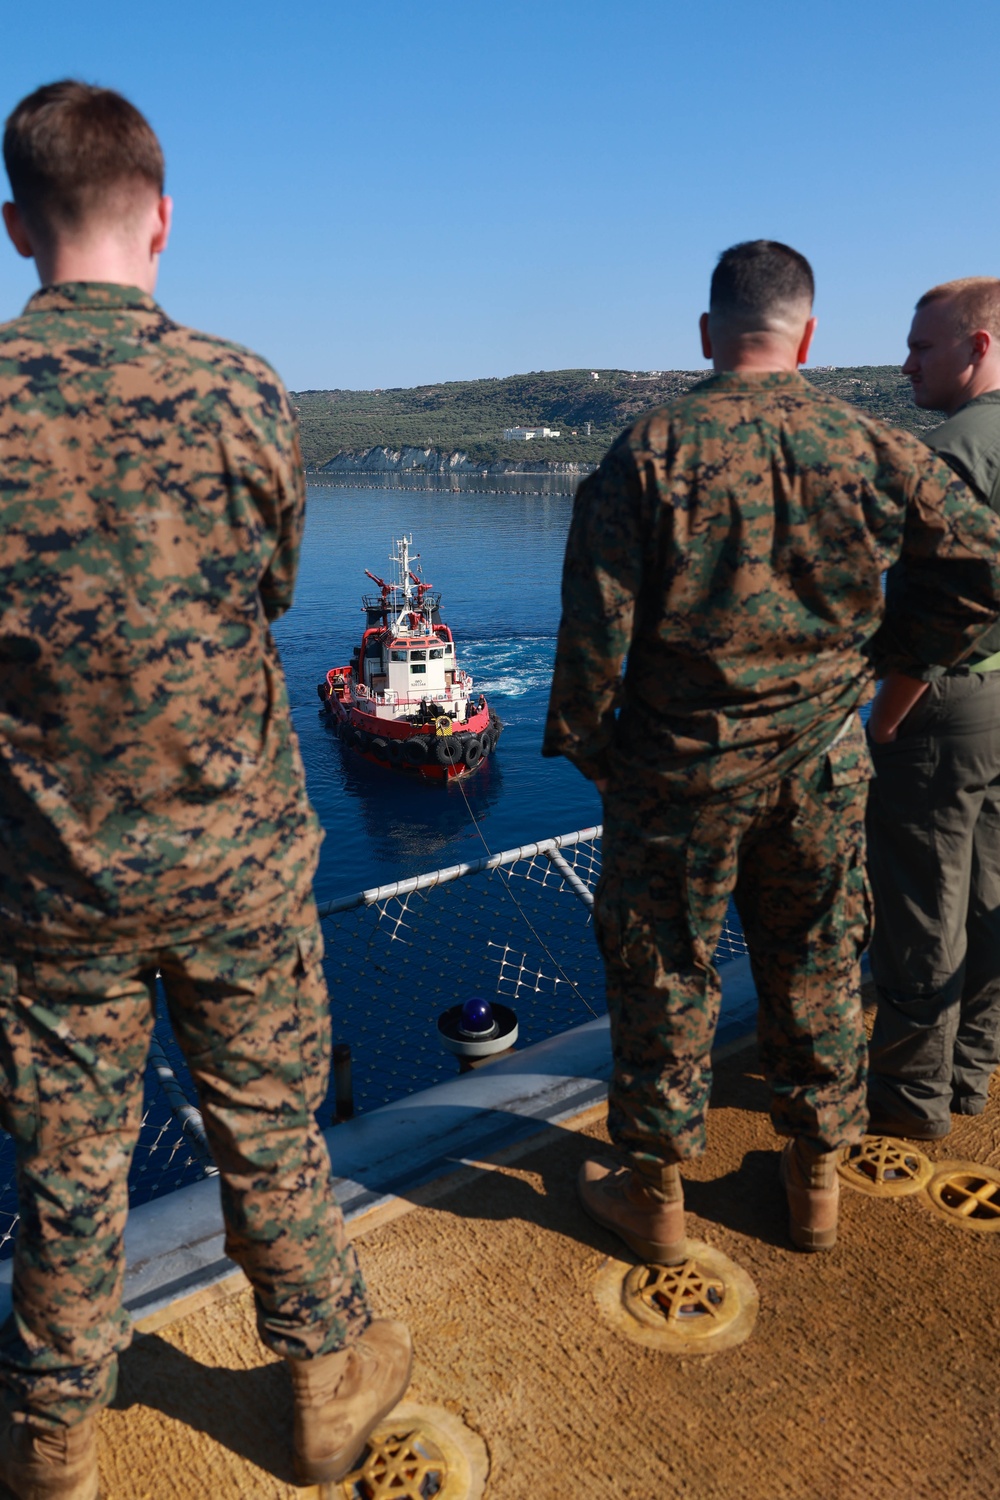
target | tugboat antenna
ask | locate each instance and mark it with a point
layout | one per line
(407, 583)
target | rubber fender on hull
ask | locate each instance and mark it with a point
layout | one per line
(473, 751)
(394, 751)
(323, 689)
(379, 746)
(415, 751)
(448, 749)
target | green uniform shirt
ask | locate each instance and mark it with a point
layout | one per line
(151, 509)
(970, 442)
(731, 546)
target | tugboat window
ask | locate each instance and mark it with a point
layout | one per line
(417, 669)
(397, 655)
(436, 655)
(418, 655)
(447, 650)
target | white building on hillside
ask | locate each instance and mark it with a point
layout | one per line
(524, 434)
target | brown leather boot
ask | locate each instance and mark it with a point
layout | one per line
(36, 1464)
(341, 1397)
(646, 1211)
(813, 1189)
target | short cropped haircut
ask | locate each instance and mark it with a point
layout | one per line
(756, 279)
(976, 303)
(73, 150)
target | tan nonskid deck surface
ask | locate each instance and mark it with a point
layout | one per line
(873, 1371)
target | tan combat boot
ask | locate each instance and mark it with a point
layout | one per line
(813, 1189)
(36, 1464)
(645, 1209)
(341, 1397)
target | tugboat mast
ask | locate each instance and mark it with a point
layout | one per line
(412, 615)
(404, 583)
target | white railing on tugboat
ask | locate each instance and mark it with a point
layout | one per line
(391, 699)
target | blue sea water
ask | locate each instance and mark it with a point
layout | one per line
(496, 560)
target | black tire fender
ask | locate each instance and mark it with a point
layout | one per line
(448, 749)
(473, 751)
(416, 750)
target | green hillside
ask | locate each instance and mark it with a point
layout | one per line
(471, 414)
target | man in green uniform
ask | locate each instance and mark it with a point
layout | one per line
(934, 812)
(730, 546)
(154, 814)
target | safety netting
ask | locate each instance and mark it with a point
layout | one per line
(513, 927)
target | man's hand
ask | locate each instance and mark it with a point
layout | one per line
(893, 701)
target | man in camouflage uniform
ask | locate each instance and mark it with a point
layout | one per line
(934, 812)
(154, 807)
(730, 546)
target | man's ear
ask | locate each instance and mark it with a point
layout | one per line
(14, 224)
(161, 232)
(807, 337)
(982, 342)
(706, 340)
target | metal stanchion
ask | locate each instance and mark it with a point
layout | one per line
(343, 1089)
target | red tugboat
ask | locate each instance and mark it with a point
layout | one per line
(404, 702)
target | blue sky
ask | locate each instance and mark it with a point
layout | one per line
(411, 192)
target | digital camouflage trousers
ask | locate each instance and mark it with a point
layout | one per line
(251, 1014)
(792, 856)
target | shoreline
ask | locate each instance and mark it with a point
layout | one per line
(444, 482)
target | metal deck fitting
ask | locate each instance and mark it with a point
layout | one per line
(966, 1193)
(418, 1453)
(884, 1167)
(706, 1304)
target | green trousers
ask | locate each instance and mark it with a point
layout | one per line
(251, 1013)
(792, 856)
(934, 857)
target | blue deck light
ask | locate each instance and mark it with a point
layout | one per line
(477, 1020)
(477, 1029)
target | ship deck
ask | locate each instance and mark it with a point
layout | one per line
(871, 1370)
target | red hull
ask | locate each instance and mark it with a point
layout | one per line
(417, 749)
